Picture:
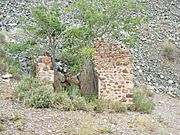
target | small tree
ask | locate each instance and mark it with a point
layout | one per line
(97, 19)
(118, 19)
(48, 29)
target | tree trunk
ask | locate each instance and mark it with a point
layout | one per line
(88, 80)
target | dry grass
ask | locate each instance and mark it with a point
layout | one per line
(169, 50)
(144, 124)
(2, 127)
(144, 88)
(86, 126)
(142, 99)
(2, 38)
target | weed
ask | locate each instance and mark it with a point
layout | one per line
(2, 127)
(60, 96)
(9, 65)
(169, 50)
(16, 117)
(2, 53)
(33, 93)
(68, 105)
(98, 105)
(160, 119)
(145, 123)
(40, 98)
(145, 89)
(105, 130)
(119, 107)
(142, 102)
(80, 103)
(2, 38)
(73, 91)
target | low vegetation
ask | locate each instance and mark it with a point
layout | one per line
(9, 65)
(2, 127)
(169, 50)
(33, 93)
(2, 38)
(142, 100)
(144, 123)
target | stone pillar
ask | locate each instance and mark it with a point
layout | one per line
(44, 69)
(113, 66)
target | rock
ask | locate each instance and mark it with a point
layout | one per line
(161, 76)
(7, 76)
(161, 102)
(170, 81)
(61, 77)
(73, 80)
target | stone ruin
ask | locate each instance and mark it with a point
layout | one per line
(113, 66)
(44, 69)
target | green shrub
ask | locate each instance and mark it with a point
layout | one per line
(73, 91)
(119, 107)
(10, 65)
(80, 103)
(31, 92)
(145, 89)
(2, 127)
(71, 99)
(40, 98)
(25, 85)
(2, 53)
(68, 104)
(98, 105)
(142, 102)
(60, 96)
(7, 64)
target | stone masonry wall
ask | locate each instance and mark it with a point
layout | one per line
(114, 70)
(44, 69)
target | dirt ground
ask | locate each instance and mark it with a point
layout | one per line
(17, 119)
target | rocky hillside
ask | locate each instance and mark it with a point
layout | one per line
(157, 55)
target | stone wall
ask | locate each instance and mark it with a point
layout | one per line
(113, 66)
(44, 69)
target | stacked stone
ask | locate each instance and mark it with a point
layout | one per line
(114, 68)
(44, 69)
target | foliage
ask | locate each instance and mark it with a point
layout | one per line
(33, 93)
(104, 17)
(143, 102)
(40, 98)
(119, 107)
(105, 130)
(2, 38)
(47, 28)
(145, 89)
(98, 105)
(80, 103)
(52, 29)
(61, 96)
(2, 127)
(2, 53)
(28, 49)
(71, 99)
(7, 64)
